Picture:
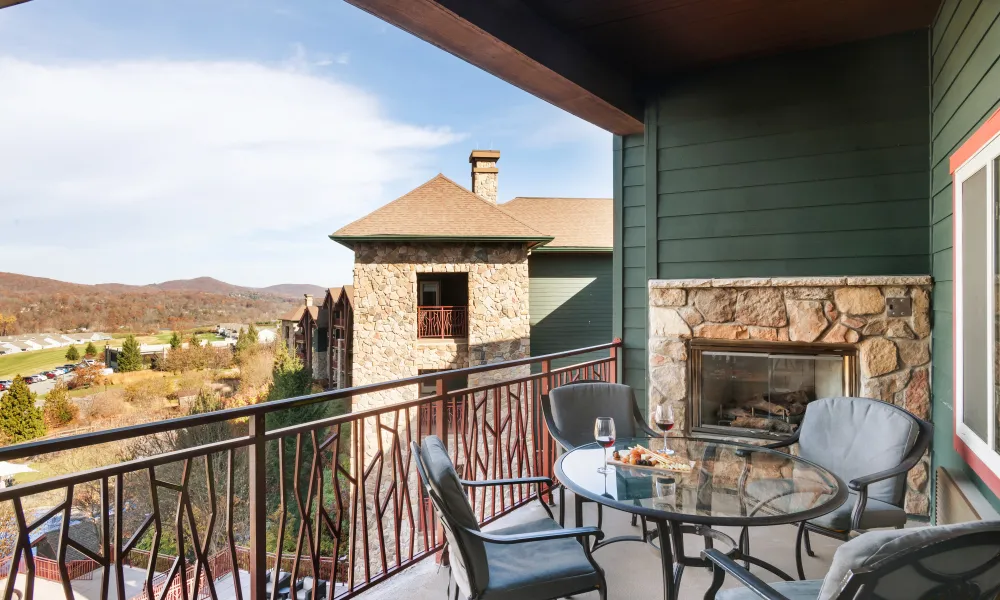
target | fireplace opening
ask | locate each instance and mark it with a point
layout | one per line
(761, 389)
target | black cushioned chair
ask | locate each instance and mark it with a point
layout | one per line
(538, 560)
(954, 562)
(571, 410)
(868, 443)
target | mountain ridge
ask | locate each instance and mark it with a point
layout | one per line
(18, 282)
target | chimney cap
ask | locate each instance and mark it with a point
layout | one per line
(484, 154)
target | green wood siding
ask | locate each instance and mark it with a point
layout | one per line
(812, 163)
(965, 91)
(570, 297)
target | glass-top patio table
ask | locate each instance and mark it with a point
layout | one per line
(728, 484)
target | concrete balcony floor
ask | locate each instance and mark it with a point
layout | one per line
(632, 569)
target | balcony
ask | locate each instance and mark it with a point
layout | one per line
(207, 506)
(442, 321)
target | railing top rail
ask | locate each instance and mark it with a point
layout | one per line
(28, 449)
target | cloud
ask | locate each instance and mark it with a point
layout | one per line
(168, 168)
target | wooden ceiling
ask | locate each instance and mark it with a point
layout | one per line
(652, 38)
(593, 57)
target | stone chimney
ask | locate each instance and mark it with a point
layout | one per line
(309, 300)
(485, 174)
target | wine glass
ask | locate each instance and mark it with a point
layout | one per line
(604, 433)
(663, 418)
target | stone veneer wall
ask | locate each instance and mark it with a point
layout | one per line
(385, 312)
(894, 353)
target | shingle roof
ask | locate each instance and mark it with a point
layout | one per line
(349, 290)
(293, 315)
(572, 222)
(438, 209)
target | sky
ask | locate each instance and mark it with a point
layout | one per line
(170, 139)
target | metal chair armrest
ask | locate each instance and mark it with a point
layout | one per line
(539, 536)
(723, 564)
(515, 481)
(788, 441)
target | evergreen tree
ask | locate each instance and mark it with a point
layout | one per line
(20, 420)
(243, 343)
(90, 351)
(175, 341)
(72, 353)
(130, 356)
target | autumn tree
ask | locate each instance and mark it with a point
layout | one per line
(130, 356)
(90, 351)
(7, 324)
(175, 341)
(20, 420)
(58, 409)
(72, 353)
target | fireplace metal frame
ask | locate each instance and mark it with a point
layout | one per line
(852, 379)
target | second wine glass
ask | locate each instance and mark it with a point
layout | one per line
(663, 418)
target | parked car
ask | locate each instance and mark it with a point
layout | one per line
(5, 384)
(89, 362)
(50, 374)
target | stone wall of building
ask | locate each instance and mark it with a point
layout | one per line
(893, 353)
(385, 313)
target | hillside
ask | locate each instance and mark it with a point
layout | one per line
(42, 304)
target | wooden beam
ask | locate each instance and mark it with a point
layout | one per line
(8, 3)
(509, 40)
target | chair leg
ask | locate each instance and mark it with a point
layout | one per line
(600, 515)
(809, 549)
(635, 520)
(798, 550)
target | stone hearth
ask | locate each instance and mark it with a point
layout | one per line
(893, 352)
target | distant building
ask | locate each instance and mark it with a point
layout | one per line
(334, 334)
(297, 329)
(150, 354)
(28, 342)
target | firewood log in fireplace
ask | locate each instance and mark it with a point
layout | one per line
(765, 424)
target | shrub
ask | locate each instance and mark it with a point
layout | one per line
(58, 409)
(206, 402)
(107, 405)
(90, 351)
(20, 420)
(147, 393)
(86, 377)
(72, 353)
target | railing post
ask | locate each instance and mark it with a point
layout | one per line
(548, 458)
(441, 431)
(613, 371)
(258, 509)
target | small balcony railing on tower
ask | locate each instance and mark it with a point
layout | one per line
(442, 321)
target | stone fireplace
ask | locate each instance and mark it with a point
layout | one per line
(791, 340)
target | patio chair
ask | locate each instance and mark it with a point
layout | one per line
(537, 560)
(570, 411)
(954, 562)
(868, 443)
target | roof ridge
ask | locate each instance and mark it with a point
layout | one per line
(388, 204)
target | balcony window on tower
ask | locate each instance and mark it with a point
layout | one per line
(442, 305)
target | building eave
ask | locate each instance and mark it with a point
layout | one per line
(349, 240)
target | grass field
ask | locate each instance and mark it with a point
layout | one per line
(36, 361)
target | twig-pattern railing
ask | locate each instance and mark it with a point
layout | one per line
(336, 496)
(442, 321)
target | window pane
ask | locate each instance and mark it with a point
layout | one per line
(974, 287)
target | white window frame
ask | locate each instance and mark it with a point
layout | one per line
(434, 287)
(984, 158)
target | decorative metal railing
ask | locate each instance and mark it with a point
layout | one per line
(442, 321)
(335, 497)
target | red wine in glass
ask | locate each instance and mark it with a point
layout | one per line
(604, 433)
(663, 418)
